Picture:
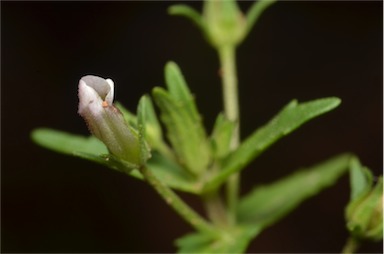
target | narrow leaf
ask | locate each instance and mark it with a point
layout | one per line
(221, 136)
(188, 12)
(234, 240)
(90, 148)
(287, 120)
(267, 204)
(186, 135)
(142, 122)
(170, 173)
(63, 142)
(152, 125)
(179, 91)
(361, 179)
(255, 12)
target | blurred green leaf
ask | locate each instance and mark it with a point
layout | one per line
(221, 136)
(255, 12)
(189, 13)
(143, 120)
(287, 120)
(267, 204)
(361, 179)
(224, 22)
(364, 215)
(231, 241)
(364, 211)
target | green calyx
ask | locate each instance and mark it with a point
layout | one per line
(222, 23)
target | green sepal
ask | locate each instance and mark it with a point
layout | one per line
(287, 120)
(364, 212)
(266, 204)
(153, 131)
(233, 240)
(143, 119)
(129, 117)
(224, 22)
(221, 136)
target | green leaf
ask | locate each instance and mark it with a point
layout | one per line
(229, 241)
(179, 91)
(361, 179)
(90, 148)
(185, 130)
(144, 119)
(63, 142)
(255, 12)
(189, 13)
(267, 204)
(222, 136)
(287, 120)
(152, 125)
(170, 173)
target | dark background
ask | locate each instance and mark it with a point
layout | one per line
(303, 50)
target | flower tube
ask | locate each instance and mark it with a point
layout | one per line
(105, 121)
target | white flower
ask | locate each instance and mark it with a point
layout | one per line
(105, 121)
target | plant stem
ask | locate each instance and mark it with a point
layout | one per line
(227, 57)
(185, 211)
(215, 209)
(351, 246)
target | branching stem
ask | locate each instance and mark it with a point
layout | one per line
(185, 211)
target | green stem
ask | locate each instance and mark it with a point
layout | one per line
(186, 212)
(227, 57)
(215, 209)
(351, 246)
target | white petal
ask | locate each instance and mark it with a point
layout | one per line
(109, 97)
(89, 99)
(100, 85)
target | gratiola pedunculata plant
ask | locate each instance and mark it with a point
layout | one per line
(186, 157)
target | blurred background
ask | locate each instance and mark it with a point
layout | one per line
(303, 50)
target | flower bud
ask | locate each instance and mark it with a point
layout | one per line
(365, 214)
(225, 23)
(105, 121)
